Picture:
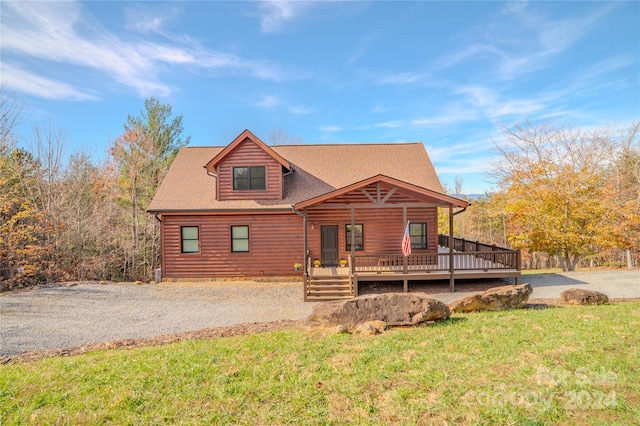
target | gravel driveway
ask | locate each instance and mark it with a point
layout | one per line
(57, 316)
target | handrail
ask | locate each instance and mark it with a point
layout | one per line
(474, 260)
(462, 245)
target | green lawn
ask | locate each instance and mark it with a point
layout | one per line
(567, 365)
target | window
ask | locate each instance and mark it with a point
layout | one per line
(240, 239)
(359, 237)
(245, 178)
(418, 233)
(190, 239)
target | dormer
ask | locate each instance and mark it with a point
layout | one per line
(248, 169)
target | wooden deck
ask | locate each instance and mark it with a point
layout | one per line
(478, 261)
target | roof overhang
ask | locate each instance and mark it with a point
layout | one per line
(426, 194)
(211, 165)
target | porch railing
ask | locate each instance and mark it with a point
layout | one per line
(434, 262)
(500, 255)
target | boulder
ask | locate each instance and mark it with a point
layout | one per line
(495, 299)
(371, 328)
(395, 309)
(578, 296)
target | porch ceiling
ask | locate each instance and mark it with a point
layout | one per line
(381, 190)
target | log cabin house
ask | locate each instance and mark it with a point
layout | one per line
(336, 212)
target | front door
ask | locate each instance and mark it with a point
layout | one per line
(329, 245)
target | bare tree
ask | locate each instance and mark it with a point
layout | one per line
(10, 116)
(48, 145)
(280, 137)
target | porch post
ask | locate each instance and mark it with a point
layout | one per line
(452, 286)
(353, 233)
(404, 258)
(352, 264)
(304, 233)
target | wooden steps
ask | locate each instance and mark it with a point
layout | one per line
(324, 288)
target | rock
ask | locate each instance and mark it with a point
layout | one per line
(342, 329)
(72, 284)
(371, 328)
(495, 299)
(394, 309)
(578, 296)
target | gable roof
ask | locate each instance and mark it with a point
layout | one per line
(426, 194)
(246, 134)
(317, 170)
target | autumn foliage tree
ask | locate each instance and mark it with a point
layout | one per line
(141, 157)
(556, 182)
(25, 250)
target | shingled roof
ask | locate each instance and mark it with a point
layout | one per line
(317, 170)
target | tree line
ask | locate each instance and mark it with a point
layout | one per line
(63, 217)
(566, 197)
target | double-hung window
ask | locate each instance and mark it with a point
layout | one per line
(418, 234)
(358, 237)
(240, 239)
(190, 239)
(249, 178)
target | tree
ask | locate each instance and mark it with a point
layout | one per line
(141, 157)
(623, 189)
(25, 252)
(88, 245)
(280, 137)
(163, 133)
(10, 115)
(554, 189)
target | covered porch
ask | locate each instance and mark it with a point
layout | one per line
(471, 260)
(362, 226)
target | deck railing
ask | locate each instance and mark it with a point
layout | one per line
(468, 255)
(500, 255)
(434, 262)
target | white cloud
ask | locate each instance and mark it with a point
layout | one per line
(450, 114)
(64, 32)
(33, 84)
(275, 14)
(389, 124)
(330, 128)
(268, 102)
(378, 109)
(403, 78)
(145, 20)
(447, 152)
(362, 48)
(465, 166)
(300, 110)
(526, 41)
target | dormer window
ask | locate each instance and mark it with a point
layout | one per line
(249, 178)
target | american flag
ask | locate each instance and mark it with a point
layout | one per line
(406, 242)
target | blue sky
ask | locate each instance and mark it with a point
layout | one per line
(443, 73)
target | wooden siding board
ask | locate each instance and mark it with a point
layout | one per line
(276, 243)
(248, 153)
(276, 240)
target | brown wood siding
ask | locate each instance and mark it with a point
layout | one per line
(247, 153)
(383, 228)
(276, 243)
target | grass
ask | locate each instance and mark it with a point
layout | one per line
(568, 365)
